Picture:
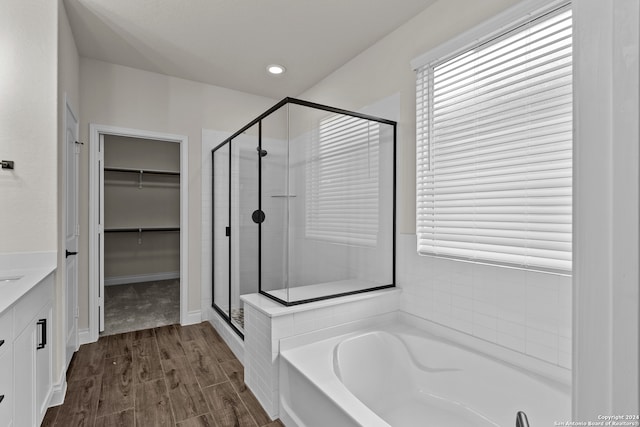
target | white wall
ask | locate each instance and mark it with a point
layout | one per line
(28, 81)
(606, 202)
(125, 97)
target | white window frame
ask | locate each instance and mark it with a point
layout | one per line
(491, 29)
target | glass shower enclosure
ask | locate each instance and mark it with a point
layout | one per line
(303, 207)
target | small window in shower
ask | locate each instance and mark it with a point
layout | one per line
(342, 188)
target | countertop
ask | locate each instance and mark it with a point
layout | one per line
(30, 268)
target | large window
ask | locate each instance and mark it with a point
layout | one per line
(494, 148)
(342, 203)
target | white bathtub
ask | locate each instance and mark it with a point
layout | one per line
(396, 374)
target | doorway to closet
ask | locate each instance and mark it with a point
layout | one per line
(141, 233)
(138, 218)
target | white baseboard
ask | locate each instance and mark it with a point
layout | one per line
(59, 390)
(193, 317)
(84, 336)
(138, 278)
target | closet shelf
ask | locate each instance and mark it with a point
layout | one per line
(149, 171)
(139, 229)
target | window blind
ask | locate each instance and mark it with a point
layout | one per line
(494, 149)
(342, 182)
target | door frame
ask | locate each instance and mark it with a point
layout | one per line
(95, 170)
(69, 110)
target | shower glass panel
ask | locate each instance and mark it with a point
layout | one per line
(310, 198)
(274, 201)
(221, 185)
(244, 232)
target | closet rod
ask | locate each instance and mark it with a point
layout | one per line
(140, 229)
(153, 171)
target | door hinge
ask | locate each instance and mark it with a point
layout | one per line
(77, 229)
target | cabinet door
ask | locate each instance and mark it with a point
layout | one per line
(24, 376)
(43, 360)
(6, 389)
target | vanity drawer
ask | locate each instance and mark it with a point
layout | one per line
(6, 388)
(28, 306)
(6, 330)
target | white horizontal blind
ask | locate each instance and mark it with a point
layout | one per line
(494, 149)
(342, 182)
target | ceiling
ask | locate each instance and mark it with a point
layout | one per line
(229, 43)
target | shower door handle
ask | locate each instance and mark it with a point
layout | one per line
(258, 216)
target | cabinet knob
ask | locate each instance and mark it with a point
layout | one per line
(1, 343)
(1, 398)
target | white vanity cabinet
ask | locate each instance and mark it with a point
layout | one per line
(26, 356)
(6, 368)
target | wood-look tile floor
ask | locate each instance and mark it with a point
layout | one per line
(167, 376)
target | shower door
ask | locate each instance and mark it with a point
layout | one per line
(221, 229)
(235, 230)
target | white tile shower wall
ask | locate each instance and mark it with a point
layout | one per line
(263, 335)
(526, 311)
(259, 362)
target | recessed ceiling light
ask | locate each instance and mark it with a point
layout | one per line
(276, 69)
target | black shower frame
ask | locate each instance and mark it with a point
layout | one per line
(258, 121)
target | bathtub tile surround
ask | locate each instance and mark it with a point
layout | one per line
(267, 322)
(525, 311)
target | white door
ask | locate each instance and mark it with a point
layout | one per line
(101, 235)
(72, 227)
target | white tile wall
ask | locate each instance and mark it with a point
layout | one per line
(259, 359)
(526, 311)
